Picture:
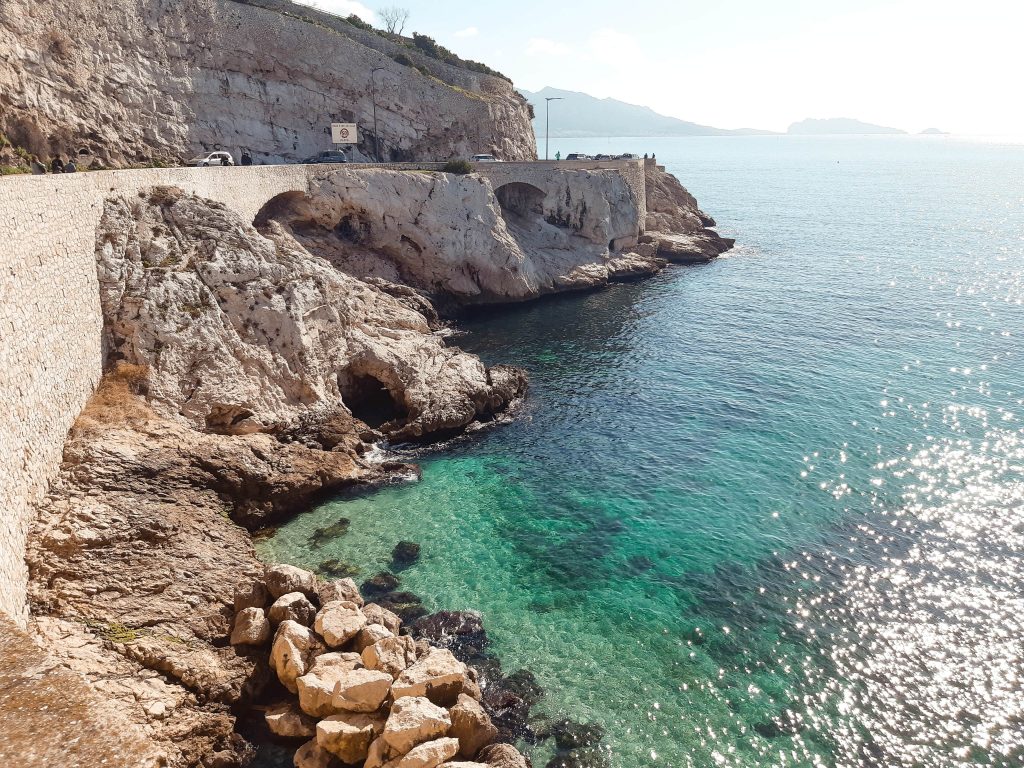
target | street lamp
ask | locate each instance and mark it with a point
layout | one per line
(373, 91)
(547, 120)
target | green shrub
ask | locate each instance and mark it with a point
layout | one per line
(459, 167)
(404, 60)
(13, 170)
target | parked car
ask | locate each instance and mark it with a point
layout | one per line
(485, 159)
(578, 156)
(328, 156)
(214, 158)
(604, 157)
(629, 156)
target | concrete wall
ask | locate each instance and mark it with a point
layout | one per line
(50, 319)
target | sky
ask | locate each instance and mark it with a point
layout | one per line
(910, 64)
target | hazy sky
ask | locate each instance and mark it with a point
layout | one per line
(911, 64)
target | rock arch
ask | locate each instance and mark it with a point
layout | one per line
(521, 199)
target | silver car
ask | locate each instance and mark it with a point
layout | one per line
(214, 158)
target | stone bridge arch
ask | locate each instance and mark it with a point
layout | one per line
(521, 199)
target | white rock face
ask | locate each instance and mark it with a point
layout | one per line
(292, 654)
(284, 579)
(339, 622)
(361, 690)
(376, 614)
(438, 676)
(369, 635)
(251, 627)
(459, 237)
(316, 687)
(412, 721)
(428, 755)
(348, 735)
(391, 654)
(294, 606)
(243, 334)
(139, 79)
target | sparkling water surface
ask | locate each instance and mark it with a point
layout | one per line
(767, 511)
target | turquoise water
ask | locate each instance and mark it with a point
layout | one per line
(766, 511)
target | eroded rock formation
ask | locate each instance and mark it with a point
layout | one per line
(676, 225)
(461, 241)
(243, 334)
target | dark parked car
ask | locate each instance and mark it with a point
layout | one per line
(578, 156)
(330, 156)
(604, 157)
(629, 156)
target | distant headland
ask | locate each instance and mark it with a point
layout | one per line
(838, 125)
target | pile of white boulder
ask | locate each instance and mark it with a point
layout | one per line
(366, 695)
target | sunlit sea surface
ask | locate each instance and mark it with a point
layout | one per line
(768, 511)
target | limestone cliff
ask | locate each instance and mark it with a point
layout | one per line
(151, 80)
(242, 334)
(676, 224)
(460, 240)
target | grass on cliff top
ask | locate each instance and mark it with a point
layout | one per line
(117, 400)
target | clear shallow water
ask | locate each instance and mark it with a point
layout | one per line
(768, 511)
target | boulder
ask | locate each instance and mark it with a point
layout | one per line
(289, 722)
(251, 627)
(348, 735)
(428, 755)
(413, 720)
(251, 594)
(339, 589)
(378, 754)
(377, 614)
(292, 654)
(439, 676)
(316, 687)
(338, 622)
(312, 755)
(369, 635)
(282, 579)
(569, 734)
(361, 690)
(391, 654)
(502, 756)
(471, 726)
(294, 606)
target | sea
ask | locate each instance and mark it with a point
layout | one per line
(767, 511)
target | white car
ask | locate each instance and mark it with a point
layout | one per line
(485, 159)
(214, 158)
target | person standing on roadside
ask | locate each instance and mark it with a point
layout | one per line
(558, 156)
(56, 165)
(246, 157)
(38, 169)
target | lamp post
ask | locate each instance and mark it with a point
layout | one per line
(547, 121)
(373, 92)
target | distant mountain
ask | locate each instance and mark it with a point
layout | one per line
(580, 115)
(934, 132)
(836, 125)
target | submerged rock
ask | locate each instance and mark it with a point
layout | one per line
(405, 554)
(461, 632)
(337, 569)
(330, 532)
(379, 584)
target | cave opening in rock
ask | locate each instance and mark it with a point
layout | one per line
(370, 400)
(523, 200)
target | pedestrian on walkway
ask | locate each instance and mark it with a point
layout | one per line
(558, 156)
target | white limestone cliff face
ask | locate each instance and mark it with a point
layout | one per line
(244, 334)
(142, 80)
(457, 238)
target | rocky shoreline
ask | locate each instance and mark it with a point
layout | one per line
(249, 375)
